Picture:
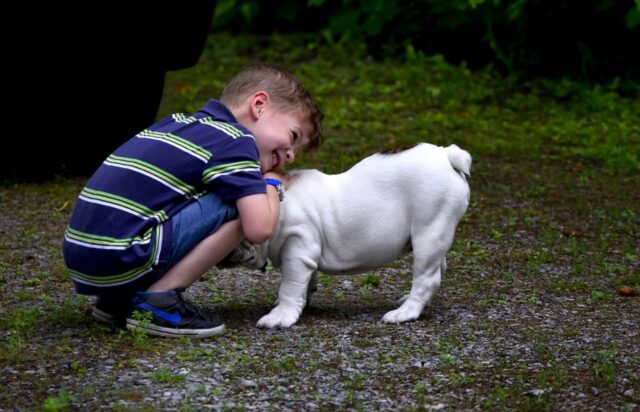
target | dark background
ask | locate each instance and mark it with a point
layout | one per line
(78, 82)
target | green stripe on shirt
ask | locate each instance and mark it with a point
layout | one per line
(120, 277)
(227, 168)
(183, 118)
(91, 239)
(223, 127)
(149, 169)
(124, 203)
(178, 141)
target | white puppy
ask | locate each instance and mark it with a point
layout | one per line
(384, 206)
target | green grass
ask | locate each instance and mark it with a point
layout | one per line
(164, 376)
(374, 105)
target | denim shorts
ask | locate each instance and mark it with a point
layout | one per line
(197, 221)
(190, 226)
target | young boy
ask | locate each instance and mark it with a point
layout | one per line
(175, 199)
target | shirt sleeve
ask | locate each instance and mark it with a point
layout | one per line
(234, 171)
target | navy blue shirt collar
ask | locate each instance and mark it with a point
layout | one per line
(217, 110)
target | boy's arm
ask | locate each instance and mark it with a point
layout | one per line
(259, 214)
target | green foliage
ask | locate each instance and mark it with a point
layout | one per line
(632, 18)
(67, 313)
(139, 337)
(371, 281)
(522, 38)
(362, 18)
(59, 402)
(631, 280)
(371, 107)
(324, 279)
(604, 368)
(164, 376)
(22, 322)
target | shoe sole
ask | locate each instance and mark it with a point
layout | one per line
(102, 316)
(174, 332)
(107, 319)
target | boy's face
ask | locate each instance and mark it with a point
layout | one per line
(279, 137)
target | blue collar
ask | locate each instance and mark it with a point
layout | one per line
(217, 110)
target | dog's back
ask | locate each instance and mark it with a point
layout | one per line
(434, 171)
(367, 215)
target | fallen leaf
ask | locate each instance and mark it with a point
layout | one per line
(627, 291)
(182, 88)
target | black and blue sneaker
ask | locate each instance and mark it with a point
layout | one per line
(112, 310)
(172, 316)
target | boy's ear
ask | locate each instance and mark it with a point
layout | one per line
(259, 102)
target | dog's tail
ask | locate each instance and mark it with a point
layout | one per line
(459, 159)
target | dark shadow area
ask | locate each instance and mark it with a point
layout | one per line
(93, 80)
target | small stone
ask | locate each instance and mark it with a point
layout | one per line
(536, 392)
(9, 371)
(630, 393)
(347, 284)
(248, 383)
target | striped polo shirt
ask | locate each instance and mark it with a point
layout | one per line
(120, 227)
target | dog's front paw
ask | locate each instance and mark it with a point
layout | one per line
(405, 313)
(279, 317)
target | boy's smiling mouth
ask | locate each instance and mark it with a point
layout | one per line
(275, 160)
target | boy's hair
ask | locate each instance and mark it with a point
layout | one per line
(285, 91)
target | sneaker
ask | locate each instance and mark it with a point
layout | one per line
(112, 310)
(172, 316)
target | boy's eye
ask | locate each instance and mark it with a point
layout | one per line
(294, 136)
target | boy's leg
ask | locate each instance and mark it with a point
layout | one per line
(113, 308)
(170, 314)
(203, 257)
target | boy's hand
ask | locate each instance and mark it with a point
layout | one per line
(286, 178)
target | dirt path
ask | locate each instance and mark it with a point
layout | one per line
(529, 316)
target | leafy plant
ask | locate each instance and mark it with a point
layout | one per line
(163, 375)
(604, 368)
(139, 337)
(59, 402)
(371, 281)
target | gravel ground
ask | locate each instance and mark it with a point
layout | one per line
(530, 316)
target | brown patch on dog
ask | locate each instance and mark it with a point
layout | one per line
(395, 150)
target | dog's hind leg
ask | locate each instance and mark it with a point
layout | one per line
(443, 269)
(430, 246)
